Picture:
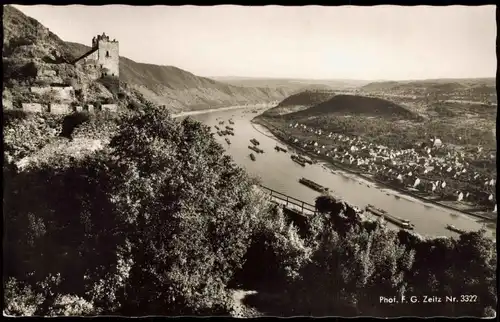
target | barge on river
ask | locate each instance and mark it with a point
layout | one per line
(227, 140)
(306, 159)
(252, 156)
(298, 160)
(455, 229)
(229, 128)
(313, 185)
(231, 122)
(256, 149)
(254, 142)
(278, 148)
(403, 223)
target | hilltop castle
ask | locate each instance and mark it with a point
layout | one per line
(103, 59)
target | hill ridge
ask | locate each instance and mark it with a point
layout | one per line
(348, 104)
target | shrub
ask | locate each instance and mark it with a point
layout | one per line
(275, 255)
(353, 265)
(135, 106)
(20, 299)
(72, 121)
(11, 116)
(26, 133)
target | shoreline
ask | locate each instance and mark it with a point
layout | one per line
(220, 109)
(399, 190)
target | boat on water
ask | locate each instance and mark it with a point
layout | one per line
(306, 159)
(278, 148)
(298, 160)
(254, 142)
(216, 127)
(303, 159)
(219, 132)
(227, 140)
(229, 128)
(313, 185)
(256, 149)
(231, 122)
(252, 156)
(455, 229)
(230, 133)
(221, 122)
(403, 223)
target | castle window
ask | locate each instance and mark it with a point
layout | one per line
(107, 53)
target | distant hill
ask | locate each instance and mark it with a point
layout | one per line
(293, 84)
(306, 98)
(25, 39)
(300, 101)
(448, 86)
(355, 105)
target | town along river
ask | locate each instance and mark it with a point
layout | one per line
(278, 172)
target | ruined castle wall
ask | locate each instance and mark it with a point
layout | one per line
(92, 70)
(60, 108)
(109, 107)
(63, 93)
(87, 58)
(108, 57)
(89, 108)
(92, 57)
(33, 107)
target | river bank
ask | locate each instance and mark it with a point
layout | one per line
(188, 113)
(425, 199)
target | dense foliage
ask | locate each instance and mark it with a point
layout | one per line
(354, 263)
(156, 223)
(26, 133)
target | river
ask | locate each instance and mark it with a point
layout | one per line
(278, 172)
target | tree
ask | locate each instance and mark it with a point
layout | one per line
(190, 208)
(157, 223)
(353, 265)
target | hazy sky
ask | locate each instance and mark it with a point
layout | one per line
(383, 42)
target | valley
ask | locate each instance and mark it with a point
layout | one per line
(431, 152)
(140, 189)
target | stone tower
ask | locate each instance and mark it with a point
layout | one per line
(106, 55)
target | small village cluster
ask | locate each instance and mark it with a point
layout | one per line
(427, 168)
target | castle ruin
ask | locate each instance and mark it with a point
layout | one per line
(103, 58)
(100, 61)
